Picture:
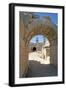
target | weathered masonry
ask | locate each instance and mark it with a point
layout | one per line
(31, 26)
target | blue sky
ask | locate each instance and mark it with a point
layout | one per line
(40, 38)
(54, 18)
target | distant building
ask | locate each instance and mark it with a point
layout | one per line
(38, 46)
(44, 48)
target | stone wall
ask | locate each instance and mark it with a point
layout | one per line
(23, 51)
(53, 53)
(45, 52)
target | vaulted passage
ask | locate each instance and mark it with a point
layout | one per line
(28, 29)
(39, 58)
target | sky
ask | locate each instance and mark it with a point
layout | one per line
(54, 18)
(40, 39)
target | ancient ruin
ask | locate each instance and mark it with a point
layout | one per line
(30, 26)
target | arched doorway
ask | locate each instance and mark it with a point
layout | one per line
(49, 30)
(34, 49)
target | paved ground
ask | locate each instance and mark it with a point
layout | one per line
(37, 68)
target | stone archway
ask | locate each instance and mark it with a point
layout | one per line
(44, 27)
(34, 49)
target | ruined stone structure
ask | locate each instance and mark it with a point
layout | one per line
(46, 52)
(31, 26)
(38, 46)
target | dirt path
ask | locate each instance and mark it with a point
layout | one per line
(36, 69)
